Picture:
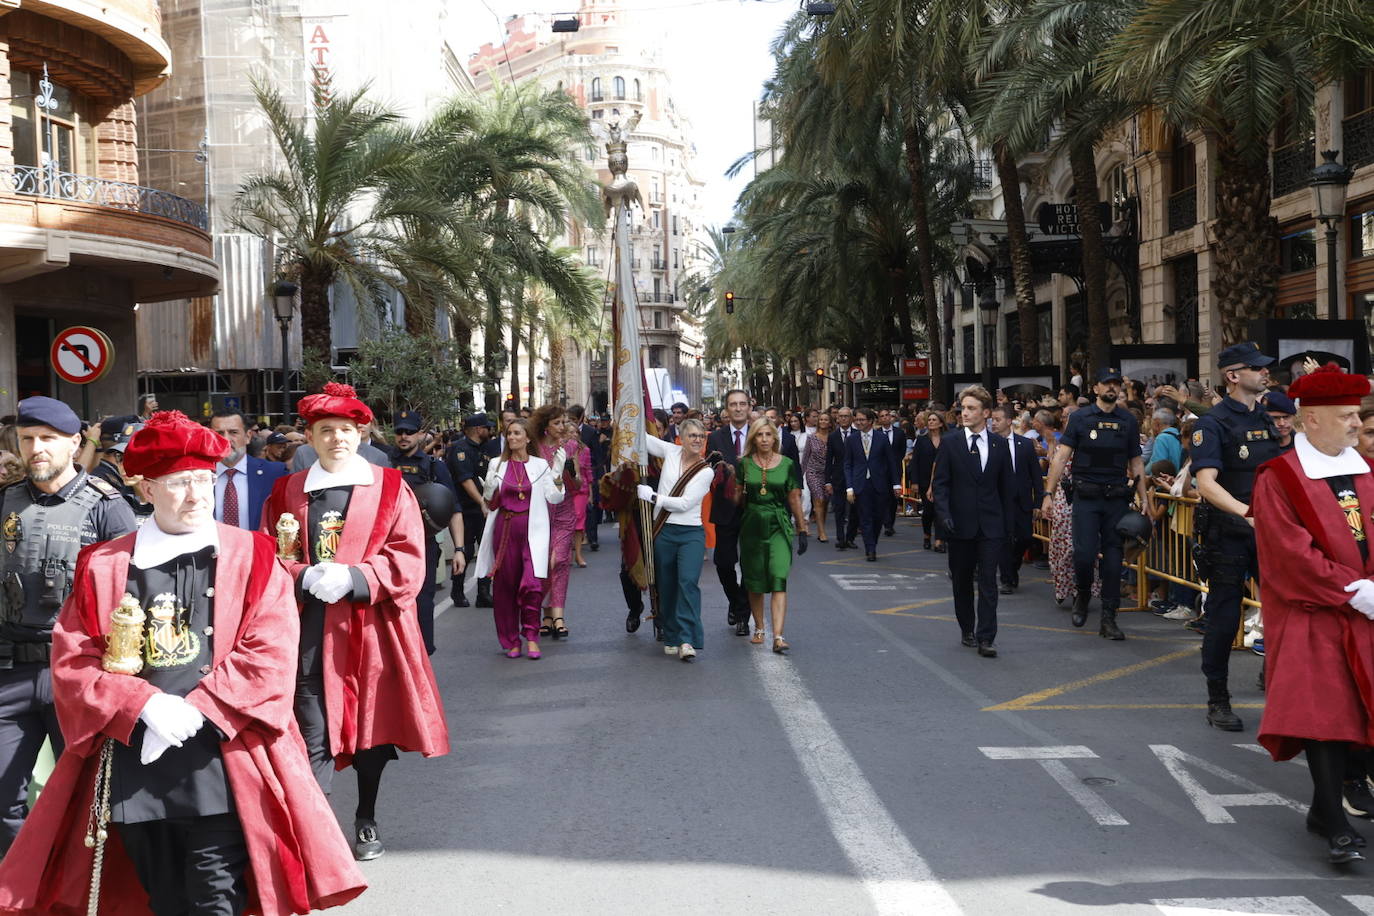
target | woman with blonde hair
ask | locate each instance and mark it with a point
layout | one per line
(768, 487)
(519, 489)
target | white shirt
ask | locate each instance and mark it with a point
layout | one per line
(240, 483)
(356, 473)
(153, 546)
(982, 438)
(1319, 466)
(684, 509)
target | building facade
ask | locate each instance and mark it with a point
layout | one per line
(1160, 188)
(614, 69)
(83, 239)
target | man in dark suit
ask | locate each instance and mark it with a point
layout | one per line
(729, 441)
(1028, 488)
(786, 443)
(888, 429)
(242, 482)
(846, 517)
(972, 490)
(870, 474)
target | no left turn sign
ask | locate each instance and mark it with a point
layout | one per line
(81, 355)
(856, 373)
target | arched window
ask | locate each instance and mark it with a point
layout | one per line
(619, 85)
(596, 89)
(639, 94)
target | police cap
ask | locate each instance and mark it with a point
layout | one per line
(477, 419)
(41, 411)
(1242, 355)
(1278, 402)
(112, 426)
(121, 438)
(276, 438)
(408, 421)
(1108, 374)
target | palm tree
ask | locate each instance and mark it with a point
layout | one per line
(1234, 68)
(338, 208)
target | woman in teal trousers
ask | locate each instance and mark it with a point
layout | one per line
(768, 486)
(680, 542)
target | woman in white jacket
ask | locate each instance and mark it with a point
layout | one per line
(680, 543)
(518, 489)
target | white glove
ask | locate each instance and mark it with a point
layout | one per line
(645, 492)
(1362, 597)
(334, 582)
(311, 576)
(557, 461)
(493, 481)
(171, 718)
(153, 747)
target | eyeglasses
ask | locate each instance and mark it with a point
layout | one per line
(695, 436)
(186, 482)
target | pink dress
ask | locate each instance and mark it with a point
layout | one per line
(563, 522)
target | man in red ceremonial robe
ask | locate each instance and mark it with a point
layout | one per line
(364, 684)
(1312, 514)
(211, 804)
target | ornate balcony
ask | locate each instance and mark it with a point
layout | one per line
(1293, 166)
(982, 174)
(47, 181)
(1182, 209)
(1359, 139)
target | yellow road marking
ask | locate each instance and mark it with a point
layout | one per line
(1029, 700)
(1086, 706)
(897, 611)
(1002, 625)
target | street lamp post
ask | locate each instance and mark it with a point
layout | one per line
(988, 306)
(1328, 183)
(284, 305)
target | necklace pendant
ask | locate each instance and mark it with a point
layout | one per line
(522, 495)
(763, 490)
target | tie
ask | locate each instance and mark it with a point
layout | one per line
(1011, 452)
(973, 448)
(230, 515)
(739, 447)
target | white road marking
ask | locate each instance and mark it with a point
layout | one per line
(1361, 902)
(896, 876)
(1213, 807)
(1052, 760)
(1245, 906)
(878, 582)
(1260, 750)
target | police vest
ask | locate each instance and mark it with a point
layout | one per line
(1249, 440)
(415, 469)
(1104, 449)
(41, 544)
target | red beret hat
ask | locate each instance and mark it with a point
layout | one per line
(337, 401)
(169, 442)
(1329, 386)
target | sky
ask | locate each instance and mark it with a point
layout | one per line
(717, 57)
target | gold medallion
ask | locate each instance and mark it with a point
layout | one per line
(1092, 435)
(331, 529)
(763, 491)
(13, 531)
(1244, 452)
(171, 641)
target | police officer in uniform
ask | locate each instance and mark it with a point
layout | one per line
(418, 470)
(1228, 446)
(111, 470)
(1103, 442)
(45, 521)
(467, 461)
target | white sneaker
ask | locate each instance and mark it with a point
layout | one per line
(1180, 613)
(670, 650)
(687, 652)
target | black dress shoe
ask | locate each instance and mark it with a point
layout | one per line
(889, 532)
(1005, 590)
(872, 558)
(841, 545)
(632, 622)
(985, 649)
(1341, 849)
(732, 617)
(925, 544)
(461, 601)
(968, 641)
(1314, 825)
(1080, 609)
(940, 548)
(594, 547)
(742, 628)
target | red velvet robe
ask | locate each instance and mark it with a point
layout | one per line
(1318, 651)
(298, 857)
(379, 687)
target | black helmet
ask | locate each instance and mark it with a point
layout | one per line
(1135, 530)
(437, 505)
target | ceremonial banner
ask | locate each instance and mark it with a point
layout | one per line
(628, 391)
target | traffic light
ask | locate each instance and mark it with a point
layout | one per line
(820, 378)
(729, 303)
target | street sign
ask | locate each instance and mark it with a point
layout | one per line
(919, 365)
(81, 355)
(856, 373)
(1062, 219)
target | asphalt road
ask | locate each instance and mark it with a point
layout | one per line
(879, 768)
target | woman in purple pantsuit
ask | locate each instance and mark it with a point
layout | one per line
(519, 489)
(554, 432)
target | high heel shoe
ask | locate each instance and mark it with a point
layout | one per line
(780, 645)
(546, 629)
(558, 631)
(533, 652)
(513, 652)
(757, 638)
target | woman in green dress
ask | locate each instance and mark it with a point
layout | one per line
(768, 487)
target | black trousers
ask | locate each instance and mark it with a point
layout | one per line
(1094, 531)
(871, 506)
(27, 717)
(927, 516)
(893, 501)
(312, 719)
(726, 558)
(424, 602)
(1010, 564)
(473, 524)
(970, 558)
(593, 519)
(846, 516)
(1233, 560)
(190, 866)
(634, 598)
